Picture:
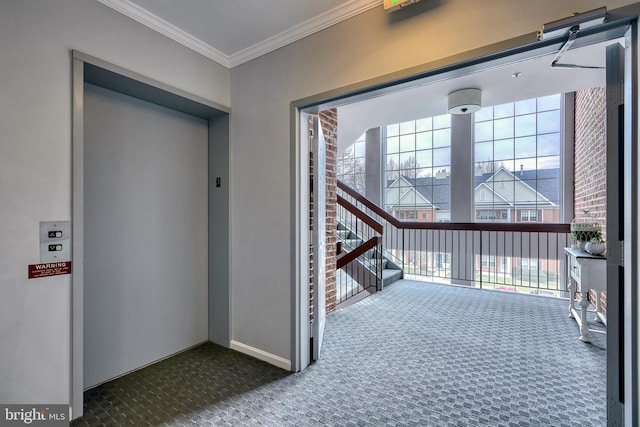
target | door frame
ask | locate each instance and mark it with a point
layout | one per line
(474, 60)
(86, 68)
(318, 236)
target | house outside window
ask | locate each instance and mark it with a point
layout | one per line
(417, 165)
(529, 216)
(514, 159)
(517, 166)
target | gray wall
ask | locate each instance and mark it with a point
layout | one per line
(36, 38)
(145, 239)
(364, 47)
(219, 245)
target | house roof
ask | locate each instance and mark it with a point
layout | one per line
(527, 187)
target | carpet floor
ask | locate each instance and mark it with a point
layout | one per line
(416, 354)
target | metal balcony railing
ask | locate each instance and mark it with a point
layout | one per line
(516, 257)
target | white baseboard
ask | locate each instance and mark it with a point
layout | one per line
(278, 361)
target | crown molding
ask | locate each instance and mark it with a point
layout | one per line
(167, 29)
(334, 16)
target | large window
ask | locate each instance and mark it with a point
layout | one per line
(418, 168)
(350, 167)
(517, 161)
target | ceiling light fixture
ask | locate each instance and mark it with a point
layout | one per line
(465, 101)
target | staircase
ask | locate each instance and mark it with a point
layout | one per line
(361, 275)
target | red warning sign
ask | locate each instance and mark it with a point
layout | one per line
(49, 269)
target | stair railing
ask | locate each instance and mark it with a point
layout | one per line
(359, 261)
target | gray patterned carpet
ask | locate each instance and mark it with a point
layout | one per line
(416, 354)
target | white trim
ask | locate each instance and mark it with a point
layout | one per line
(334, 16)
(150, 20)
(278, 361)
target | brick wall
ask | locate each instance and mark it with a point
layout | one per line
(329, 124)
(590, 170)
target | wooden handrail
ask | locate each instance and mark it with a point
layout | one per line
(347, 257)
(359, 214)
(368, 203)
(534, 227)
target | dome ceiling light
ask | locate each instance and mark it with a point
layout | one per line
(465, 101)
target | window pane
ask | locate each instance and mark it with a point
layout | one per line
(483, 131)
(424, 140)
(525, 147)
(550, 189)
(523, 164)
(440, 122)
(393, 195)
(393, 161)
(407, 127)
(403, 187)
(441, 157)
(549, 122)
(423, 173)
(427, 193)
(408, 142)
(503, 149)
(393, 130)
(393, 144)
(423, 158)
(504, 110)
(442, 138)
(549, 162)
(483, 114)
(525, 107)
(441, 196)
(503, 128)
(344, 166)
(549, 144)
(525, 125)
(407, 160)
(507, 164)
(549, 103)
(348, 152)
(359, 149)
(424, 124)
(484, 151)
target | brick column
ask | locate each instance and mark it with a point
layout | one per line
(590, 160)
(329, 124)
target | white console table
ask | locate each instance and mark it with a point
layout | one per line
(589, 271)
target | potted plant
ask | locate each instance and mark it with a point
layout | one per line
(583, 230)
(595, 246)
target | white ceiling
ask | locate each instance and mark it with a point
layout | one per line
(231, 32)
(537, 78)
